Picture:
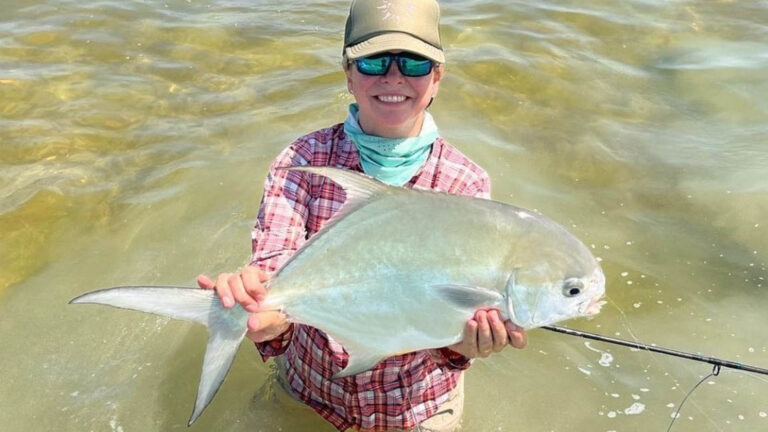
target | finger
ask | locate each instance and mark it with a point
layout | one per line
(498, 330)
(469, 341)
(223, 290)
(252, 283)
(517, 336)
(484, 337)
(205, 282)
(254, 323)
(263, 276)
(238, 292)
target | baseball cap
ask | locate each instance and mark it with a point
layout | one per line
(375, 26)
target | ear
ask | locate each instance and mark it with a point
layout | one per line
(439, 73)
(437, 76)
(347, 74)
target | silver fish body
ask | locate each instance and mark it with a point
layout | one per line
(399, 270)
(406, 269)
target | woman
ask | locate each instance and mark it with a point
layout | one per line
(394, 62)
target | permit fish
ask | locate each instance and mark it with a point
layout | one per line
(396, 270)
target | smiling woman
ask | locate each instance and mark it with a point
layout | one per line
(391, 104)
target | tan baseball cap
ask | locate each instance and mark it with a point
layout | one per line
(375, 26)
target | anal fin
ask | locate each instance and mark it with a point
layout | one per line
(360, 360)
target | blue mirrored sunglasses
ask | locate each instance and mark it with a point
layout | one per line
(410, 65)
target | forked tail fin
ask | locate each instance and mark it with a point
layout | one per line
(226, 327)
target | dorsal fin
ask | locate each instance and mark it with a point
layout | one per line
(357, 186)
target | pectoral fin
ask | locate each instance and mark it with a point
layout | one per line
(510, 292)
(468, 296)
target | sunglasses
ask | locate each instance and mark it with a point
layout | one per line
(410, 65)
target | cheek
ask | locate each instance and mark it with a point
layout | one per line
(360, 83)
(425, 89)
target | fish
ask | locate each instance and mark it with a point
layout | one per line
(396, 270)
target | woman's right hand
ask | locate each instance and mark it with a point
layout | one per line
(247, 288)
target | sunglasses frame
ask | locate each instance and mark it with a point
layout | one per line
(399, 59)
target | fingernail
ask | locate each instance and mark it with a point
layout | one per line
(227, 301)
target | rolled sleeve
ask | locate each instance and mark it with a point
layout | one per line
(275, 347)
(280, 227)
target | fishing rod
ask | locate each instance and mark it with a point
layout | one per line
(661, 350)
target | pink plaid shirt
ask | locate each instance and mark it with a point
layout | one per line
(401, 390)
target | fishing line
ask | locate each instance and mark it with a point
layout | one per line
(654, 359)
(631, 332)
(716, 362)
(715, 372)
(732, 366)
(624, 318)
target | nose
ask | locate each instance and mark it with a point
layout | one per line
(393, 75)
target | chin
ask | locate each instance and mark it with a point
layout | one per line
(397, 117)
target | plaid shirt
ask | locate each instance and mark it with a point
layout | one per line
(401, 390)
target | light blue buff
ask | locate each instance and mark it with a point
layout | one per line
(393, 161)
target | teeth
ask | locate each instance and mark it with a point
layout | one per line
(391, 98)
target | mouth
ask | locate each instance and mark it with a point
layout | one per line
(593, 307)
(391, 99)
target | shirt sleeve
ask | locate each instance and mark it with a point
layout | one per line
(275, 347)
(280, 227)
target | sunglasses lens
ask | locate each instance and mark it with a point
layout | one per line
(376, 65)
(409, 65)
(414, 67)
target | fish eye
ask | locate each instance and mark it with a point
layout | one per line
(572, 287)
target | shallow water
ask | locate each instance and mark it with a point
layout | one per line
(135, 136)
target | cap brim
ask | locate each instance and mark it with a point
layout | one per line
(394, 42)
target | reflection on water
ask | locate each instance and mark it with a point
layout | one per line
(135, 137)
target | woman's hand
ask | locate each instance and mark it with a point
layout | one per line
(486, 333)
(247, 289)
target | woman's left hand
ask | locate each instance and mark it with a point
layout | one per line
(486, 333)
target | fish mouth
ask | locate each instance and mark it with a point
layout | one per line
(593, 307)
